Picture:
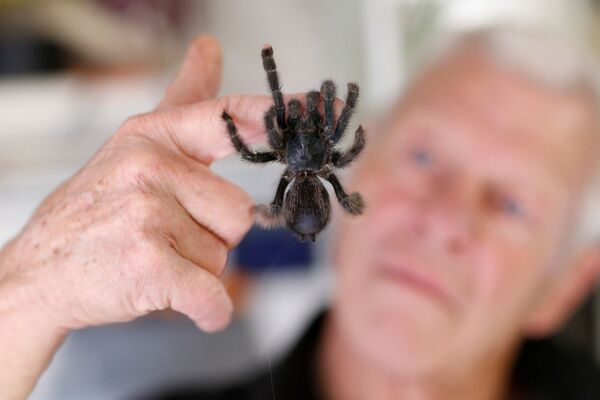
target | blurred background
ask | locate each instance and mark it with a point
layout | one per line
(72, 71)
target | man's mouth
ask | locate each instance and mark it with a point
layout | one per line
(418, 279)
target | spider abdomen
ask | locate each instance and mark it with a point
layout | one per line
(306, 206)
(305, 152)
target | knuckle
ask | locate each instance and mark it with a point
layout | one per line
(140, 220)
(145, 208)
(141, 165)
(131, 124)
(134, 124)
(140, 249)
(148, 206)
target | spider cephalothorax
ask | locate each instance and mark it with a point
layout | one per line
(305, 140)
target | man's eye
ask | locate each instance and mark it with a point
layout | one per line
(511, 207)
(422, 158)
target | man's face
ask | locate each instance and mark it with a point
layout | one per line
(469, 193)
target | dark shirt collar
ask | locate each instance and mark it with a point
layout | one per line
(543, 370)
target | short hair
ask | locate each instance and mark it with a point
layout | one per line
(542, 54)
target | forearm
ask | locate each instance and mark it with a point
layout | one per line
(27, 340)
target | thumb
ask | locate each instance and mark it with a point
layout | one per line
(200, 75)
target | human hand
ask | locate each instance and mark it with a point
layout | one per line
(145, 225)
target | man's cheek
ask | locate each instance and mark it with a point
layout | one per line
(504, 280)
(492, 275)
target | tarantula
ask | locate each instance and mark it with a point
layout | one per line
(306, 142)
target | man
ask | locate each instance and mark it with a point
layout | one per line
(471, 190)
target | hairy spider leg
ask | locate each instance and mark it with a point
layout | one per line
(341, 159)
(242, 147)
(351, 203)
(347, 111)
(294, 107)
(270, 216)
(328, 92)
(275, 137)
(312, 102)
(273, 79)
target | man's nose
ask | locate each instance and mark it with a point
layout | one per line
(445, 215)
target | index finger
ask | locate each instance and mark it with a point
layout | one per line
(199, 131)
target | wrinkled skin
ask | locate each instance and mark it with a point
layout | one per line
(136, 229)
(144, 226)
(471, 188)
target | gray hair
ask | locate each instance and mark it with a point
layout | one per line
(562, 59)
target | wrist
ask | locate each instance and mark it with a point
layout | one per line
(21, 298)
(26, 349)
(28, 337)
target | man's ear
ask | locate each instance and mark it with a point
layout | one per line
(567, 290)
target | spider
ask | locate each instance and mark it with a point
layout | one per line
(306, 142)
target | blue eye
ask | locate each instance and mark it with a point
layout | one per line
(512, 207)
(422, 157)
